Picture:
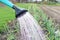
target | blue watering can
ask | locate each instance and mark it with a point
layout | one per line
(19, 11)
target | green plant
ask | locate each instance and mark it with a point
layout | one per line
(11, 36)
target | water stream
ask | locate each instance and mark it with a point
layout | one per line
(29, 28)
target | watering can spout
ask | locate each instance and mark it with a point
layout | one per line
(18, 11)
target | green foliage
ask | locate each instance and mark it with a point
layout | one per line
(53, 3)
(11, 37)
(6, 14)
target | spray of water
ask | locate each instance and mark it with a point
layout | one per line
(29, 28)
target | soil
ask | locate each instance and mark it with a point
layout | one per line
(53, 12)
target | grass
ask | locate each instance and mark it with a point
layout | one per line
(6, 15)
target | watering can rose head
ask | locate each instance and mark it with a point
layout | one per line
(19, 11)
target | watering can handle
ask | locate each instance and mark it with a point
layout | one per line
(7, 2)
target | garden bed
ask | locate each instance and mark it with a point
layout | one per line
(12, 29)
